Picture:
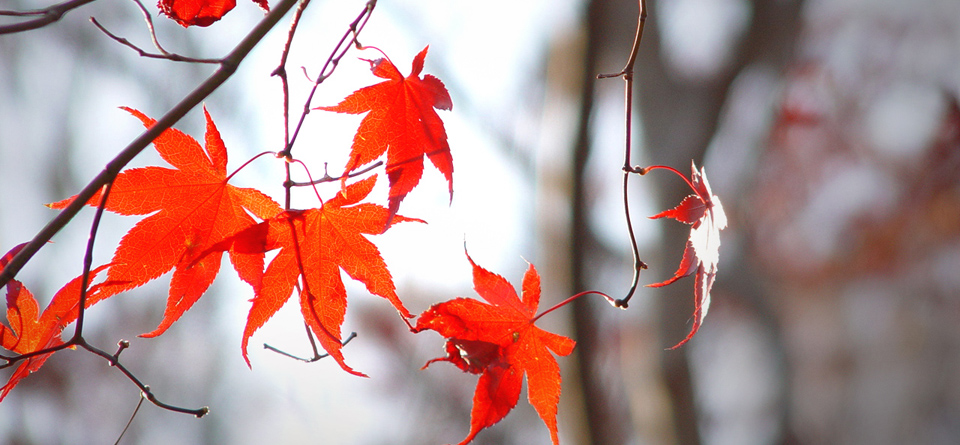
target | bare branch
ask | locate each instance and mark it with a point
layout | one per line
(45, 17)
(339, 51)
(144, 389)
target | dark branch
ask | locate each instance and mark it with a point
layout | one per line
(144, 389)
(44, 17)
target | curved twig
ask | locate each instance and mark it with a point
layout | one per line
(164, 54)
(627, 74)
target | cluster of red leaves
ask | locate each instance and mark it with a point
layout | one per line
(499, 341)
(196, 216)
(200, 12)
(193, 216)
(703, 211)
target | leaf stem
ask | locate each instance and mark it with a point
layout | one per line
(642, 171)
(249, 161)
(609, 299)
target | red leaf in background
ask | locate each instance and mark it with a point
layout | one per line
(200, 12)
(314, 245)
(500, 342)
(191, 208)
(402, 122)
(31, 331)
(704, 212)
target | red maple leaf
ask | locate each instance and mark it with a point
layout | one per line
(191, 208)
(703, 211)
(30, 331)
(200, 12)
(314, 245)
(402, 122)
(500, 342)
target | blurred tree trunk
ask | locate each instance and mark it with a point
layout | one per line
(680, 118)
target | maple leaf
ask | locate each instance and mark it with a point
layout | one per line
(30, 331)
(704, 212)
(402, 122)
(314, 245)
(500, 342)
(200, 12)
(192, 208)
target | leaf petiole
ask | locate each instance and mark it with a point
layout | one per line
(610, 300)
(642, 171)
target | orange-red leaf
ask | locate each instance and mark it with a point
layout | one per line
(402, 122)
(200, 12)
(191, 208)
(30, 331)
(701, 255)
(499, 341)
(314, 245)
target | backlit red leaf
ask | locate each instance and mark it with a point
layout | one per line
(31, 331)
(191, 208)
(703, 211)
(400, 120)
(200, 12)
(314, 245)
(499, 341)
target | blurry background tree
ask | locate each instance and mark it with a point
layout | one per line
(831, 130)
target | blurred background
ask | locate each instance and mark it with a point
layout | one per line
(830, 130)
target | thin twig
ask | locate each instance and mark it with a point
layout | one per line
(627, 74)
(339, 51)
(164, 54)
(115, 362)
(88, 259)
(46, 15)
(130, 422)
(327, 178)
(281, 72)
(313, 344)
